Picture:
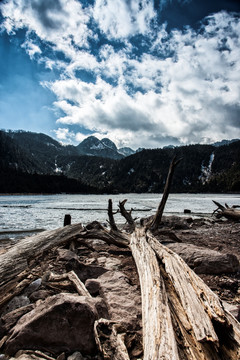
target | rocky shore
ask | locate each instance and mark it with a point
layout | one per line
(80, 297)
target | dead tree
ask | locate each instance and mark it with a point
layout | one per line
(181, 317)
(154, 224)
(230, 213)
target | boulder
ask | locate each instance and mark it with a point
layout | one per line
(9, 320)
(62, 323)
(123, 300)
(15, 303)
(76, 356)
(205, 261)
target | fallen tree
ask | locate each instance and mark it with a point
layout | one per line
(230, 213)
(181, 317)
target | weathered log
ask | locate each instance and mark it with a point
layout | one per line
(158, 216)
(111, 217)
(110, 340)
(230, 213)
(158, 334)
(182, 317)
(127, 215)
(67, 220)
(16, 259)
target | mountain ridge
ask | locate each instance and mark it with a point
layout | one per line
(204, 168)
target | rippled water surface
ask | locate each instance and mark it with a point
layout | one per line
(29, 213)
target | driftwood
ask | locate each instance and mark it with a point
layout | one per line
(21, 254)
(181, 317)
(154, 224)
(110, 340)
(230, 213)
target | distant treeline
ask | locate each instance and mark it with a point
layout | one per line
(40, 164)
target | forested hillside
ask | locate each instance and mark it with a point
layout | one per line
(203, 168)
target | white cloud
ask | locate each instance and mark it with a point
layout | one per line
(187, 98)
(63, 23)
(31, 48)
(64, 134)
(185, 88)
(121, 19)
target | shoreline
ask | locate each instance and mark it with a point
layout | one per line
(113, 193)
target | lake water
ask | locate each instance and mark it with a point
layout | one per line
(30, 213)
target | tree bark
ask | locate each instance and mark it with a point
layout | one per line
(229, 213)
(158, 335)
(16, 259)
(158, 216)
(182, 317)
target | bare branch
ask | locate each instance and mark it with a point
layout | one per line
(110, 216)
(127, 215)
(158, 216)
(227, 212)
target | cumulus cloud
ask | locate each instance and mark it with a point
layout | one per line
(120, 19)
(183, 88)
(189, 97)
(63, 23)
(64, 134)
(31, 49)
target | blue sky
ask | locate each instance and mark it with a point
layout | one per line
(144, 73)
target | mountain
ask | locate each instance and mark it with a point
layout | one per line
(224, 142)
(126, 151)
(92, 146)
(22, 172)
(16, 157)
(27, 158)
(203, 168)
(42, 149)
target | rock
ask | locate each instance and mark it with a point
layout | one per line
(233, 309)
(40, 295)
(76, 356)
(3, 357)
(204, 260)
(66, 255)
(9, 320)
(122, 299)
(93, 287)
(174, 222)
(61, 323)
(109, 263)
(35, 285)
(27, 356)
(15, 303)
(85, 272)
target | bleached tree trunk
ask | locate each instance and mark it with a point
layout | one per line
(231, 213)
(182, 318)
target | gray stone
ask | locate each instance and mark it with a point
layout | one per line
(76, 356)
(35, 285)
(39, 295)
(123, 300)
(61, 323)
(9, 320)
(15, 303)
(92, 286)
(204, 260)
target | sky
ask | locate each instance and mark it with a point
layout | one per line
(144, 73)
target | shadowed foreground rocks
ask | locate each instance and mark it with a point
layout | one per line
(73, 293)
(206, 261)
(52, 323)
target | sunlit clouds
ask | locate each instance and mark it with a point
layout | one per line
(121, 74)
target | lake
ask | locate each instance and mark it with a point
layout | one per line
(32, 213)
